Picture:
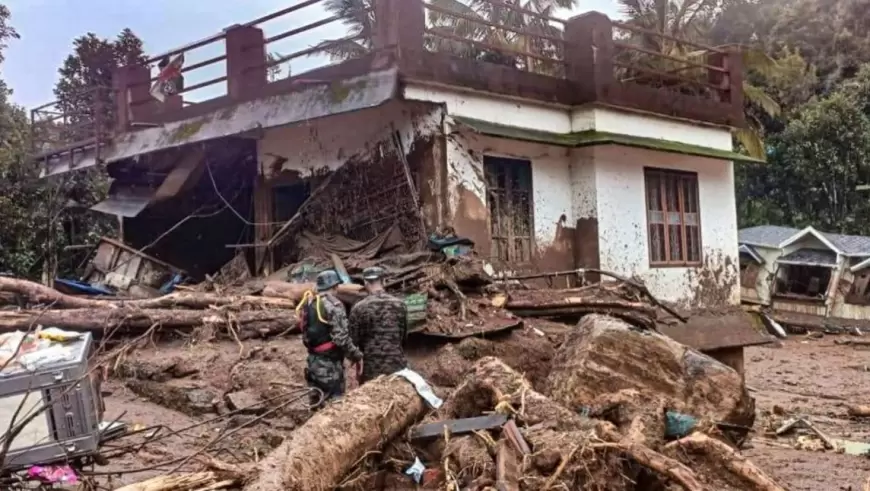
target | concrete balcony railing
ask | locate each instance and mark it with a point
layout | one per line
(586, 59)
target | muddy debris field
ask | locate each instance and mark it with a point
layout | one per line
(510, 386)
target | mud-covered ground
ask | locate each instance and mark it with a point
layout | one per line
(178, 383)
(815, 378)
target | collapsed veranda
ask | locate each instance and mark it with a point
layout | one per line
(577, 155)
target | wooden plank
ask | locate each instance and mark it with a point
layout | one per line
(339, 268)
(512, 433)
(477, 333)
(457, 426)
(507, 467)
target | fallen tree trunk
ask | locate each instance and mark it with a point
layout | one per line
(580, 302)
(295, 291)
(248, 324)
(640, 318)
(721, 456)
(859, 411)
(318, 454)
(182, 482)
(41, 294)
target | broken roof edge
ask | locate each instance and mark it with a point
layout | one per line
(592, 137)
(862, 265)
(748, 249)
(336, 97)
(815, 233)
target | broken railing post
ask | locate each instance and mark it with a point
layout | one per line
(399, 28)
(131, 85)
(246, 61)
(589, 54)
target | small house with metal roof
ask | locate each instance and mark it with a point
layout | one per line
(805, 275)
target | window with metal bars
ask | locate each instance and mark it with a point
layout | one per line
(509, 200)
(673, 217)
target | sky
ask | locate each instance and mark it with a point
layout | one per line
(48, 27)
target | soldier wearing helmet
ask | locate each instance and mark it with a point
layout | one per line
(323, 321)
(378, 325)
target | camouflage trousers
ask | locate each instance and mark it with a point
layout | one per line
(375, 366)
(326, 374)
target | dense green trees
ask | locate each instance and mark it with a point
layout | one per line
(810, 106)
(39, 219)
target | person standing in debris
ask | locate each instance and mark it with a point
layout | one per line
(323, 321)
(378, 325)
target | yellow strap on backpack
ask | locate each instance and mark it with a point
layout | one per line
(317, 306)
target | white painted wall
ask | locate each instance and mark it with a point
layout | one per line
(622, 221)
(563, 119)
(551, 177)
(500, 110)
(606, 182)
(329, 142)
(610, 120)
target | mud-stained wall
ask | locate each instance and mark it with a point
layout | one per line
(623, 233)
(551, 195)
(328, 143)
(765, 278)
(584, 206)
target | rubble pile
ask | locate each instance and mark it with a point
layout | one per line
(604, 424)
(601, 402)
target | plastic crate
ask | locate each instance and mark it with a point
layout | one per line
(416, 304)
(67, 403)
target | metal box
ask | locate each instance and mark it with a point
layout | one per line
(66, 400)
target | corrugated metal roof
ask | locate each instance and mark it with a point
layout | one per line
(765, 235)
(810, 257)
(125, 200)
(748, 250)
(340, 96)
(851, 245)
(773, 235)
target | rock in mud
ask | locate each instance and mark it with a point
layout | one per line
(244, 402)
(606, 362)
(190, 399)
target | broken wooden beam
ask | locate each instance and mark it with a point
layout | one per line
(512, 433)
(508, 468)
(457, 426)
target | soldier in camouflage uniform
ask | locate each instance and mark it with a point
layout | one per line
(378, 325)
(325, 333)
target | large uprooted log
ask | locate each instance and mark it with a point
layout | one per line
(578, 302)
(246, 324)
(39, 294)
(570, 451)
(318, 454)
(605, 363)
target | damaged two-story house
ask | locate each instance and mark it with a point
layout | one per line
(579, 155)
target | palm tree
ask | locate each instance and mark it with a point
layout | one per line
(359, 17)
(464, 31)
(692, 20)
